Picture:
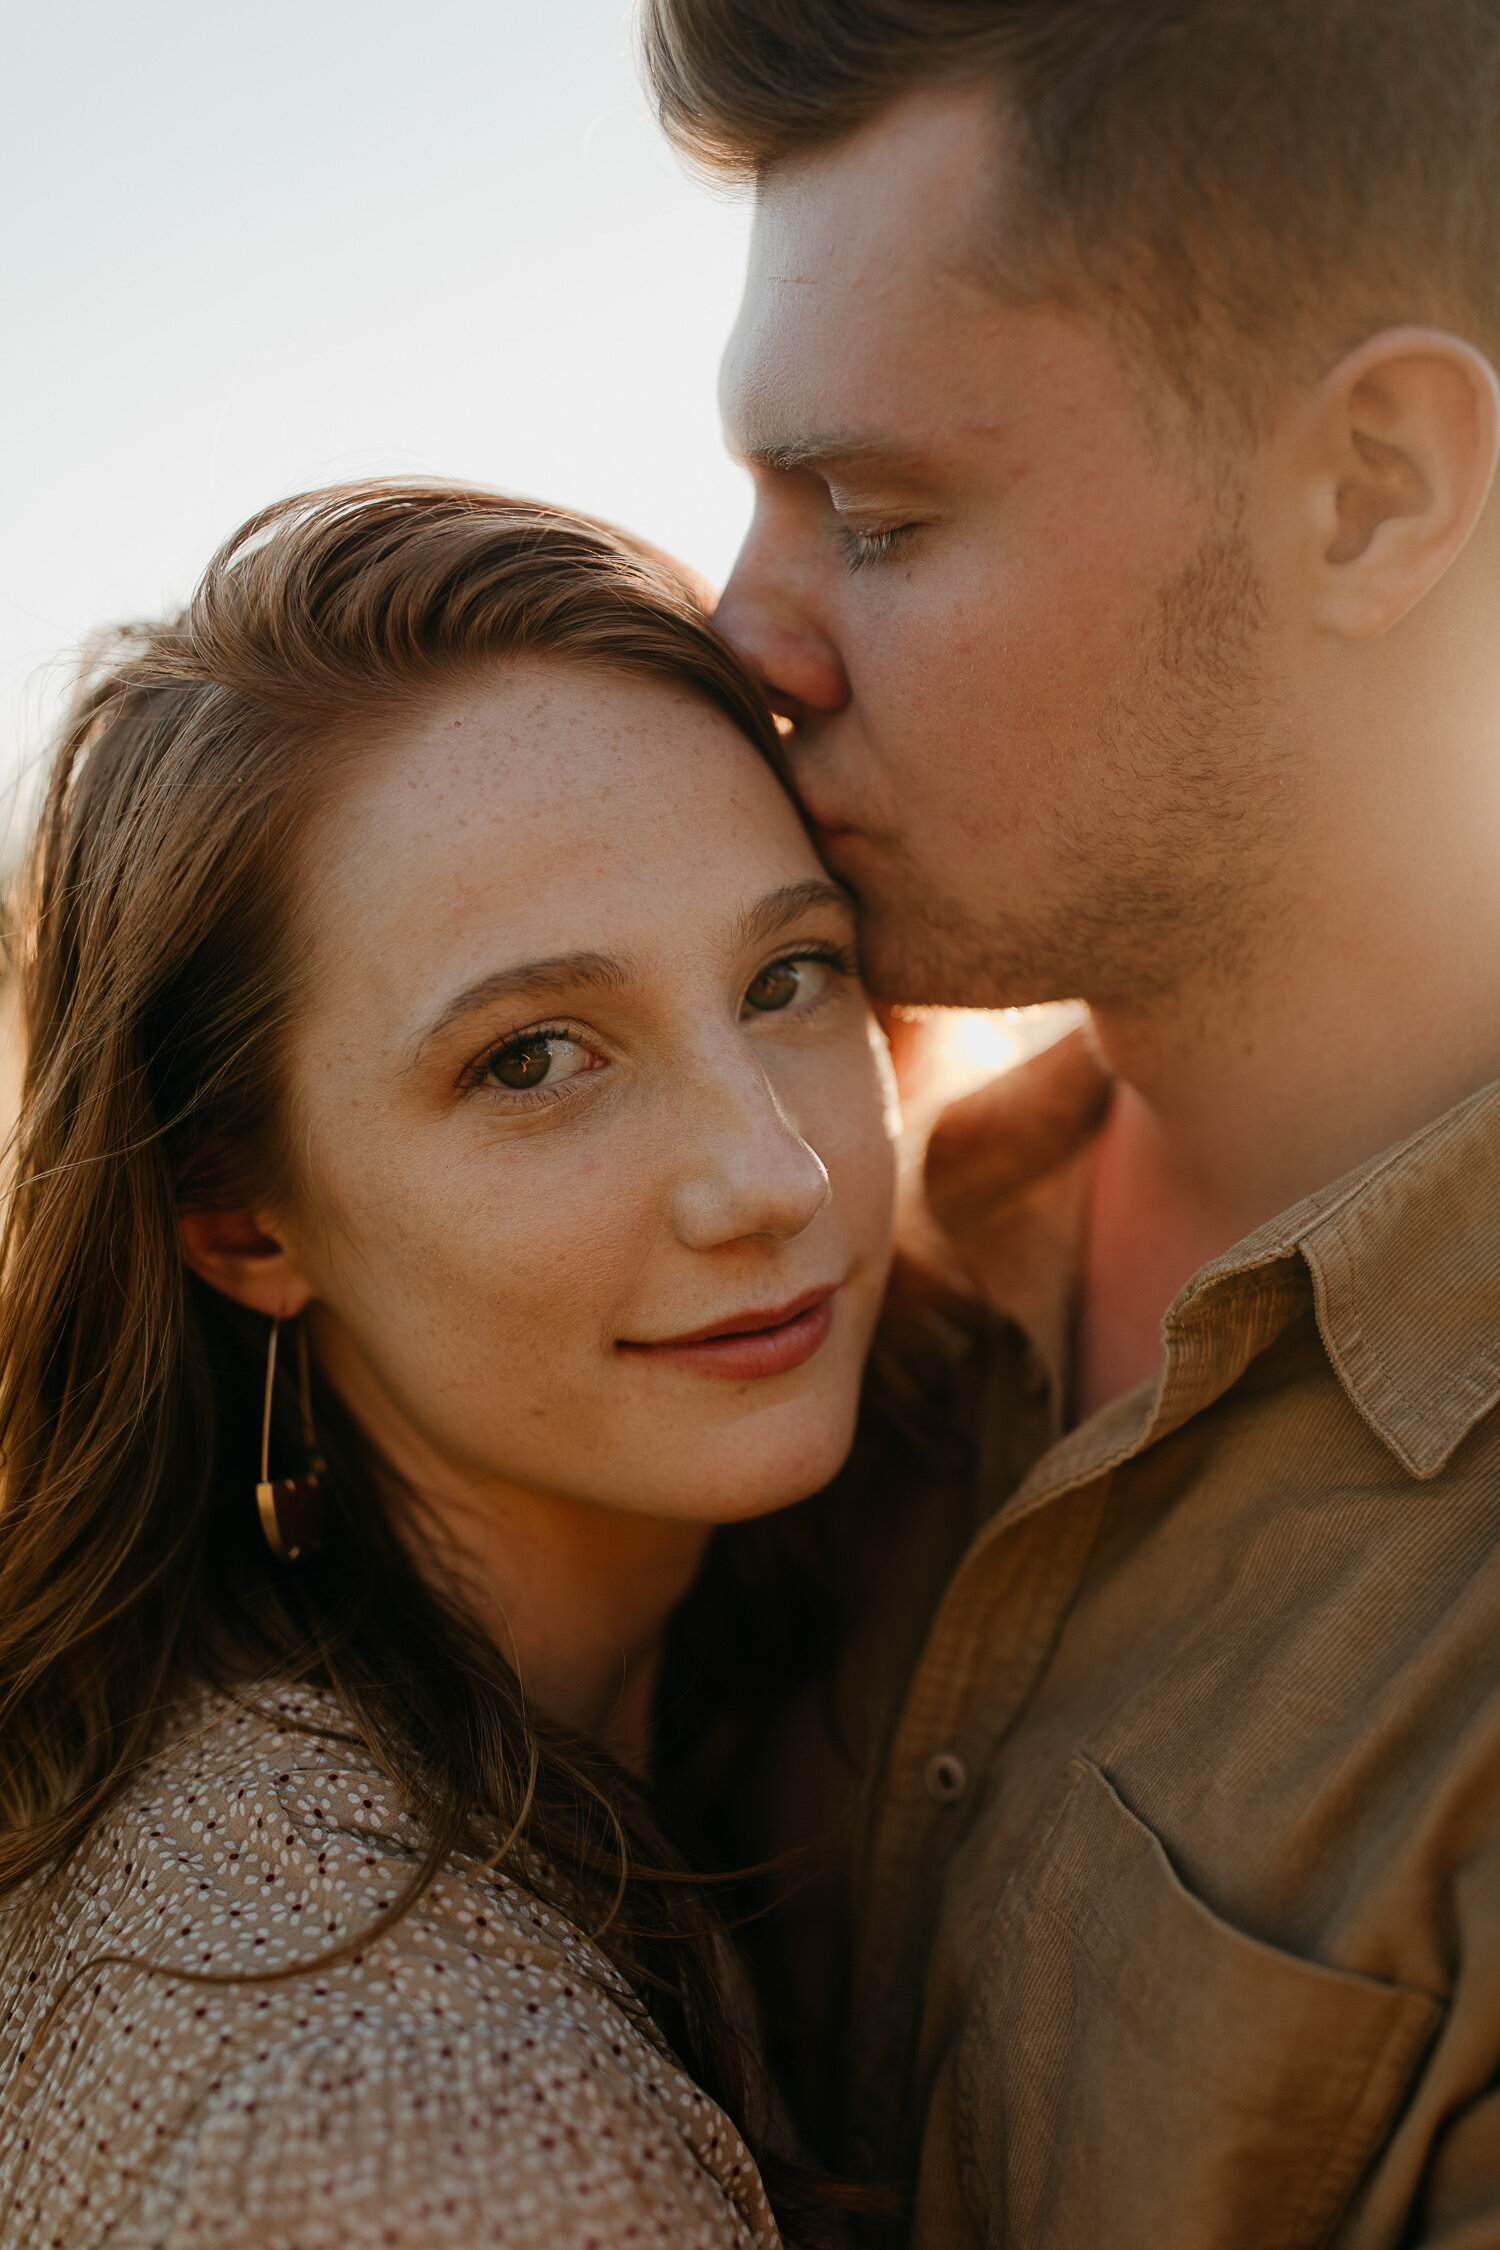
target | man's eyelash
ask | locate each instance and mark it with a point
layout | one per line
(864, 547)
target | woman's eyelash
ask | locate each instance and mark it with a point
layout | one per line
(864, 547)
(533, 1034)
(840, 957)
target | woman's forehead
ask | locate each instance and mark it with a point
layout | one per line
(538, 737)
(554, 809)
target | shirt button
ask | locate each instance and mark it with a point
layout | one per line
(946, 1777)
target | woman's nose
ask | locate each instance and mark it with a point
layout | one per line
(747, 1174)
(766, 612)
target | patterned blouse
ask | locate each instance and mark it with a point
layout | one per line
(473, 2079)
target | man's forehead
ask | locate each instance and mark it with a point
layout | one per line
(856, 272)
(836, 398)
(913, 180)
(794, 392)
(840, 376)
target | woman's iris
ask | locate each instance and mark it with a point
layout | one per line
(530, 1062)
(776, 987)
(785, 982)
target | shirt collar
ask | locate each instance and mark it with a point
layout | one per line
(1404, 1255)
(1401, 1258)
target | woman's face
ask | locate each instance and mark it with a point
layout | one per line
(589, 1119)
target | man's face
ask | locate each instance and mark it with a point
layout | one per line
(1010, 611)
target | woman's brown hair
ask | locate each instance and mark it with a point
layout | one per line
(159, 976)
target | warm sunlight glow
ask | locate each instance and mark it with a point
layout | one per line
(957, 1049)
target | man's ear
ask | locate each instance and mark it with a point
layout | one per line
(1405, 432)
(234, 1253)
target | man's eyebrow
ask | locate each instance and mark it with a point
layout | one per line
(849, 450)
(530, 980)
(770, 915)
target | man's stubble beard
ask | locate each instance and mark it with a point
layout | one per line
(1167, 880)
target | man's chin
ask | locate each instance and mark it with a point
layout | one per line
(912, 957)
(901, 977)
(910, 961)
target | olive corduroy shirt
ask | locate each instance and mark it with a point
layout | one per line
(1172, 1895)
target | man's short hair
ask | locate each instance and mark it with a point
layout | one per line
(1253, 185)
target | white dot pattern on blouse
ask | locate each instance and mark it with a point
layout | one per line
(472, 2080)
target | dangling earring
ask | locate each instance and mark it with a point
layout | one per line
(291, 1509)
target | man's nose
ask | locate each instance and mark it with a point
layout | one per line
(746, 1173)
(769, 613)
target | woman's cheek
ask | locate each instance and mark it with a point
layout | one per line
(544, 1256)
(850, 1120)
(872, 1099)
(888, 1090)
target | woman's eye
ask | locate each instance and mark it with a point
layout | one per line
(542, 1058)
(786, 982)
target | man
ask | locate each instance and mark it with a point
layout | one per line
(1117, 379)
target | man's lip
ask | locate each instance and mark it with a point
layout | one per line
(827, 828)
(754, 1321)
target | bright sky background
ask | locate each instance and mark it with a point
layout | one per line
(251, 248)
(256, 247)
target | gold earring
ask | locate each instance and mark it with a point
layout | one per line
(291, 1509)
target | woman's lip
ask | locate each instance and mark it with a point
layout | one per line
(740, 1323)
(770, 1341)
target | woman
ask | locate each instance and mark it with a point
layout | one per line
(454, 1175)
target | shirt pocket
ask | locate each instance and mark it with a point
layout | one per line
(1135, 2074)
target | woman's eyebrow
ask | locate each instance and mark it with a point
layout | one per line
(610, 972)
(770, 915)
(530, 980)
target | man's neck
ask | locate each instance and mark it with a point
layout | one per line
(1232, 1110)
(1146, 1233)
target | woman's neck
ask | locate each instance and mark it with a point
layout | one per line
(575, 1595)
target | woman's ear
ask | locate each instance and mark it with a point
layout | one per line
(233, 1253)
(1405, 436)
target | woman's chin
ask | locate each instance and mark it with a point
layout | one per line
(756, 1473)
